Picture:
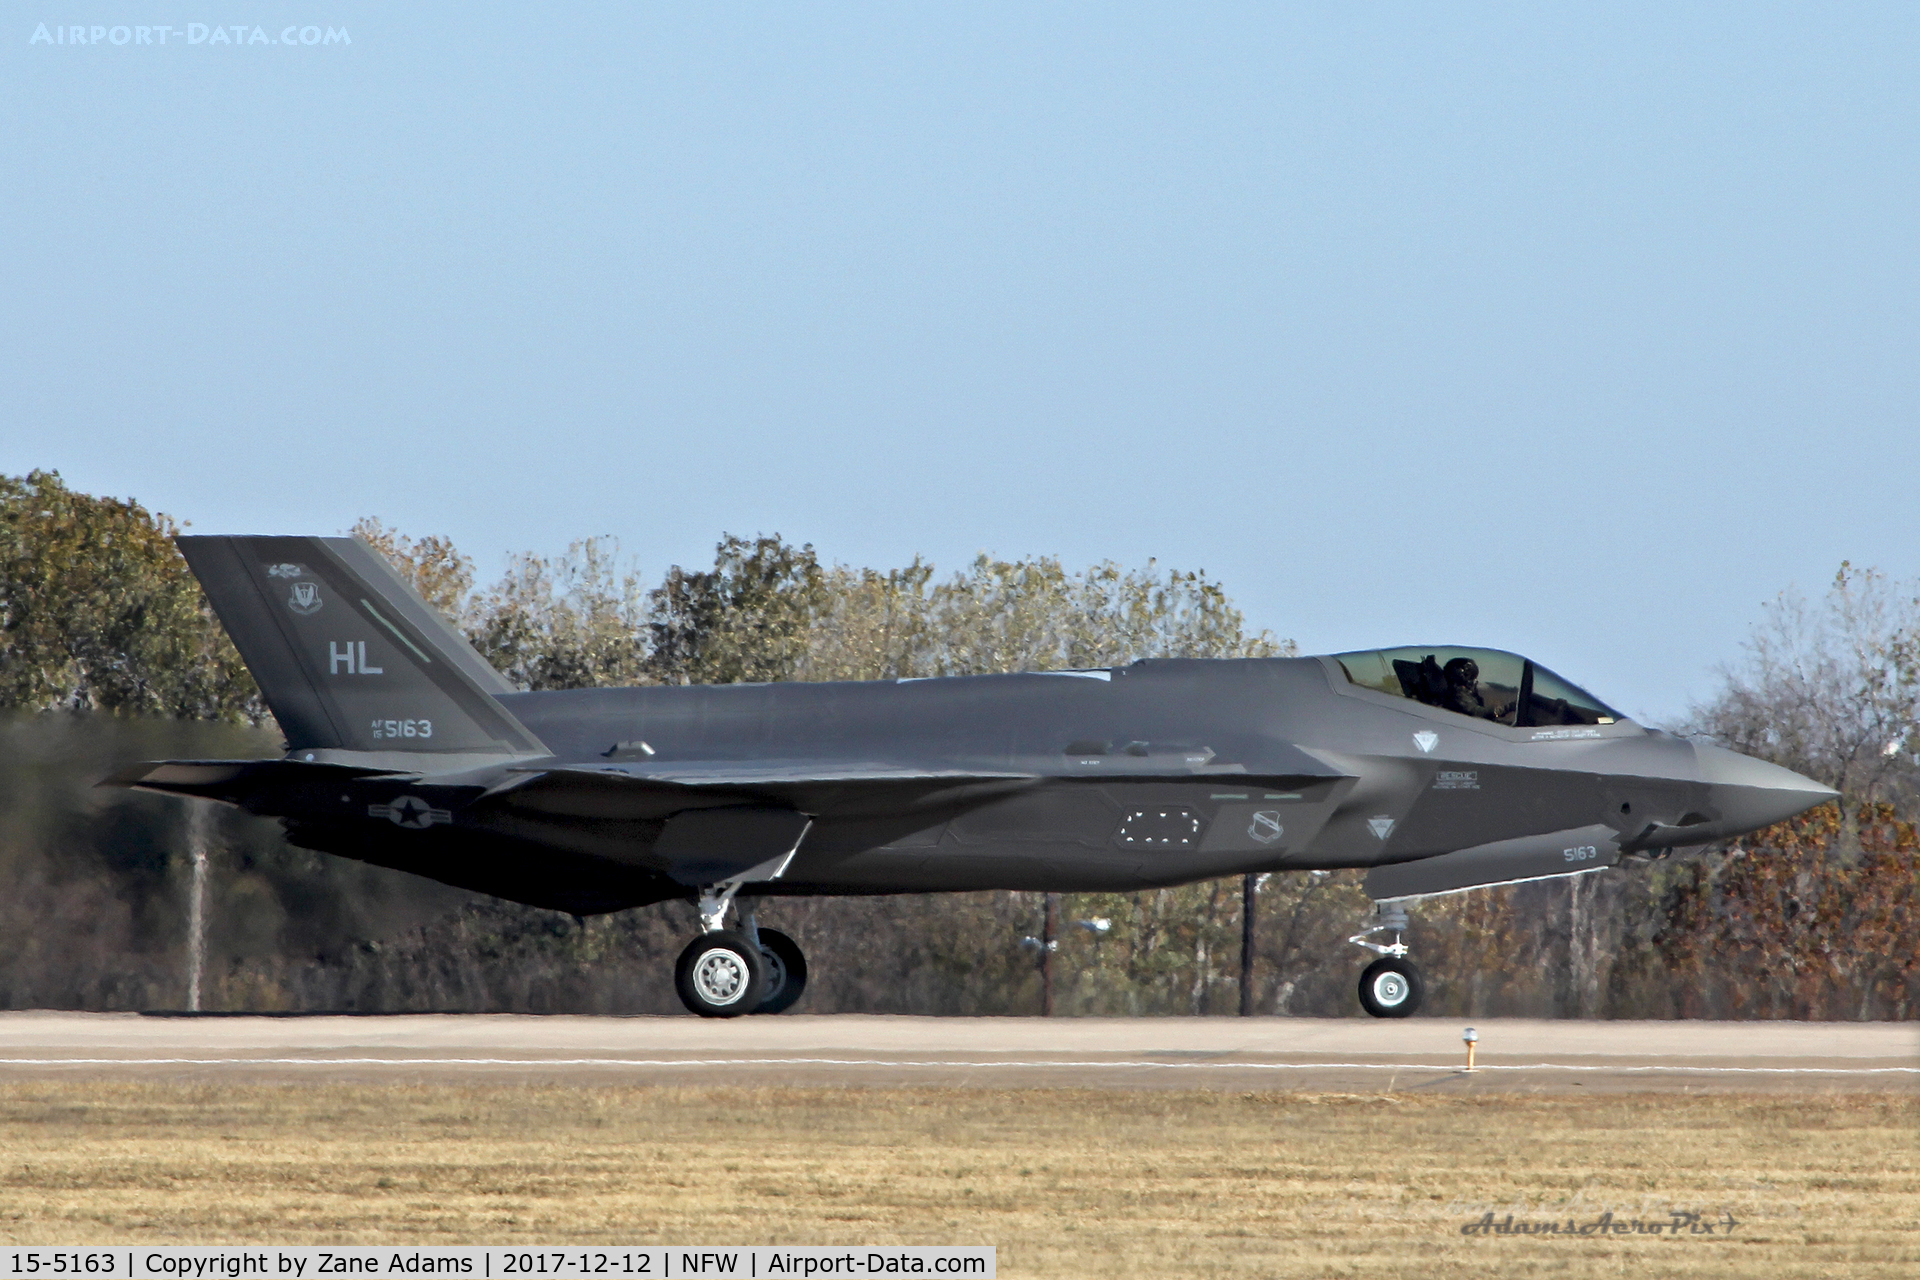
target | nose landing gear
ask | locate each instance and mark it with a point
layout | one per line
(1391, 987)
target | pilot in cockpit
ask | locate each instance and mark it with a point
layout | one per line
(1502, 688)
(1463, 689)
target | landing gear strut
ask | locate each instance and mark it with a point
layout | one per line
(724, 972)
(1391, 987)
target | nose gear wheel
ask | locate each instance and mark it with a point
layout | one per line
(1391, 988)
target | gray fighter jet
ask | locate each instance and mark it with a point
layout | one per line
(1436, 768)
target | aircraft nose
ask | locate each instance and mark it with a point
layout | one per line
(1751, 793)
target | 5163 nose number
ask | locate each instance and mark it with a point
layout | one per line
(1585, 853)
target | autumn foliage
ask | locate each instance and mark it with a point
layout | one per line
(1785, 925)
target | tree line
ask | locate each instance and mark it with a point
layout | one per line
(109, 653)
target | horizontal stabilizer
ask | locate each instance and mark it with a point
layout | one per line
(228, 780)
(1557, 853)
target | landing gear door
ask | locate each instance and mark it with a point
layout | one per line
(1558, 853)
(709, 846)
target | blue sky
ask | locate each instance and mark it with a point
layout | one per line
(1577, 331)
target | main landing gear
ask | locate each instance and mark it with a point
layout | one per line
(724, 972)
(1391, 987)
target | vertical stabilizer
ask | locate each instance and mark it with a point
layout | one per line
(348, 655)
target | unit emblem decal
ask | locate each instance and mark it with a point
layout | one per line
(1381, 826)
(305, 599)
(1265, 827)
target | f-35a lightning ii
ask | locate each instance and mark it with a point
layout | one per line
(1436, 768)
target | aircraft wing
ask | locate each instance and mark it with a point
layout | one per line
(793, 780)
(749, 773)
(646, 789)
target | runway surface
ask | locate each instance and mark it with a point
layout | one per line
(1320, 1054)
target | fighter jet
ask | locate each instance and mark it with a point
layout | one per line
(1436, 768)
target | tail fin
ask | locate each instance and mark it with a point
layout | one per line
(348, 655)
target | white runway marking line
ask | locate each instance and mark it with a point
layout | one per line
(947, 1064)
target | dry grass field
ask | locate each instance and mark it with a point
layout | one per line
(1066, 1182)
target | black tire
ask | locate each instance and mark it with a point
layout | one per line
(721, 975)
(1391, 988)
(786, 972)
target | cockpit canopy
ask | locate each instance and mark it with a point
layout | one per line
(1483, 683)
